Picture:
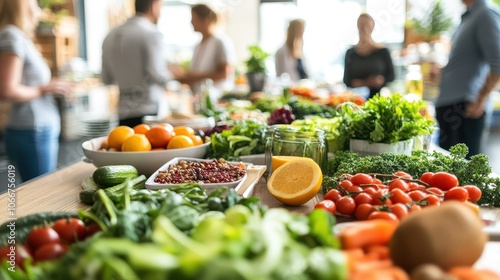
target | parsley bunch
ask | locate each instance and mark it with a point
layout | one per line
(475, 171)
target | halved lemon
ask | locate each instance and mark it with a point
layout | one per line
(277, 161)
(296, 181)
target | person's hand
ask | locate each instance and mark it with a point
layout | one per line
(57, 86)
(474, 109)
(375, 81)
(176, 71)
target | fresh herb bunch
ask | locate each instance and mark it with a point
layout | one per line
(385, 120)
(475, 171)
(302, 107)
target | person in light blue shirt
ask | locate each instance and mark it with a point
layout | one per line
(472, 72)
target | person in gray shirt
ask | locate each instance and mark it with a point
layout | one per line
(33, 128)
(472, 72)
(133, 58)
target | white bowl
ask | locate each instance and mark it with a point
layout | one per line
(258, 159)
(151, 184)
(145, 162)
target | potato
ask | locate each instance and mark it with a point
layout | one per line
(448, 235)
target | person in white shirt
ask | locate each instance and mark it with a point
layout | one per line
(213, 57)
(290, 57)
(133, 57)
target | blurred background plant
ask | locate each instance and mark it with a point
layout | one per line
(52, 10)
(433, 24)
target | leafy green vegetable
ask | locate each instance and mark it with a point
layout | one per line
(302, 107)
(475, 171)
(246, 137)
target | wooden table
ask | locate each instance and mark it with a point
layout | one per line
(58, 191)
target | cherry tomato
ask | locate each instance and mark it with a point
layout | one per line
(399, 184)
(426, 177)
(417, 195)
(354, 189)
(363, 211)
(432, 200)
(327, 205)
(41, 236)
(415, 208)
(70, 230)
(92, 229)
(403, 174)
(345, 184)
(345, 205)
(399, 196)
(434, 191)
(50, 251)
(377, 181)
(333, 195)
(382, 215)
(361, 178)
(444, 181)
(363, 198)
(415, 186)
(457, 193)
(400, 210)
(18, 255)
(371, 191)
(381, 198)
(474, 193)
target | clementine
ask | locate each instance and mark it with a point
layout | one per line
(159, 136)
(184, 130)
(167, 126)
(117, 136)
(136, 143)
(197, 140)
(141, 128)
(180, 141)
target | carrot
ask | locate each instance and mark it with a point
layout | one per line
(370, 265)
(367, 233)
(390, 273)
(378, 252)
(470, 273)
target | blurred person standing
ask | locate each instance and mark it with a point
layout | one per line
(290, 57)
(32, 132)
(368, 64)
(133, 57)
(472, 72)
(213, 57)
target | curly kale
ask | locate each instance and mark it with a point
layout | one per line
(475, 171)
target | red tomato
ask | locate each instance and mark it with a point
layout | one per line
(382, 215)
(333, 195)
(345, 184)
(354, 189)
(403, 174)
(345, 205)
(18, 255)
(434, 191)
(415, 208)
(363, 198)
(474, 193)
(363, 211)
(444, 181)
(399, 184)
(415, 186)
(417, 195)
(432, 200)
(400, 210)
(70, 230)
(399, 196)
(371, 191)
(377, 181)
(41, 236)
(92, 229)
(457, 193)
(50, 251)
(361, 178)
(426, 177)
(381, 198)
(327, 205)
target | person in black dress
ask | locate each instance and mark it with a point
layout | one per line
(368, 64)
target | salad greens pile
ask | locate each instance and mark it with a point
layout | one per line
(233, 239)
(385, 120)
(246, 137)
(330, 126)
(475, 171)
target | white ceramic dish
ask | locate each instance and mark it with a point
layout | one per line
(145, 162)
(259, 159)
(151, 184)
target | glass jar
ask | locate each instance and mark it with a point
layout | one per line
(287, 140)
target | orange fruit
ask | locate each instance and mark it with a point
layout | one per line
(196, 140)
(184, 130)
(296, 182)
(159, 136)
(141, 128)
(180, 141)
(167, 126)
(136, 143)
(117, 136)
(277, 161)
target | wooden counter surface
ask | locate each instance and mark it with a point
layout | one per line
(58, 191)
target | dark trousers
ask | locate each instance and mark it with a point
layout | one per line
(455, 128)
(131, 122)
